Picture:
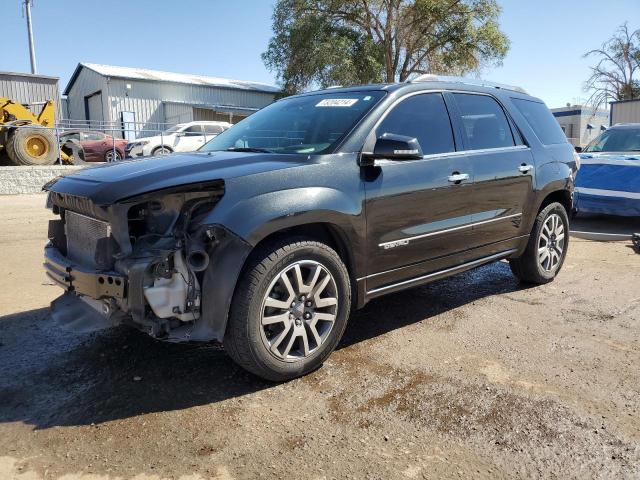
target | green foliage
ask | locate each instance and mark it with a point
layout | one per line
(327, 42)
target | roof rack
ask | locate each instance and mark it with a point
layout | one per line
(429, 77)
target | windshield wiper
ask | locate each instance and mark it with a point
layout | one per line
(248, 149)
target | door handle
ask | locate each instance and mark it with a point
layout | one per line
(458, 177)
(524, 168)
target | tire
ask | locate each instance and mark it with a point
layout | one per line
(547, 247)
(275, 348)
(32, 146)
(161, 150)
(109, 157)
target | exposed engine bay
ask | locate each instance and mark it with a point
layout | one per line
(140, 261)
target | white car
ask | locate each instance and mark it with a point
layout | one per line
(184, 137)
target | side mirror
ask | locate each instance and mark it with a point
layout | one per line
(579, 149)
(390, 146)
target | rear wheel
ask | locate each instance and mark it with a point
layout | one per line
(289, 310)
(547, 247)
(32, 146)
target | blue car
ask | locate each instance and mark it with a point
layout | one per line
(608, 181)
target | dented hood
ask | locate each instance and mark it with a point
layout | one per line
(108, 183)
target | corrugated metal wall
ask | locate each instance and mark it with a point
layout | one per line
(155, 104)
(178, 113)
(26, 88)
(625, 112)
(87, 83)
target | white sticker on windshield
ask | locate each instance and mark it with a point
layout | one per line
(337, 102)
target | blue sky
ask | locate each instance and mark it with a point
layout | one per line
(225, 38)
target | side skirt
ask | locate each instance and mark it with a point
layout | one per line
(412, 282)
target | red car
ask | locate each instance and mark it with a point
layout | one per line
(97, 146)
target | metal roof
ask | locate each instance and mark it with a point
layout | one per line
(160, 76)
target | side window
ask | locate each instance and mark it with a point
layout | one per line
(485, 124)
(193, 131)
(541, 121)
(214, 129)
(93, 136)
(424, 117)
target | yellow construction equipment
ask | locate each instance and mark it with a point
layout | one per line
(29, 139)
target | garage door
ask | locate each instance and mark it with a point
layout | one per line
(93, 104)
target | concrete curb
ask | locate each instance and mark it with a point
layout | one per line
(15, 180)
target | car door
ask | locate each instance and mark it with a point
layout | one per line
(190, 139)
(93, 144)
(417, 211)
(502, 165)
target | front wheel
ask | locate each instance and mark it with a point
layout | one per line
(289, 310)
(547, 247)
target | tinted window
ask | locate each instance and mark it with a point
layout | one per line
(215, 129)
(93, 136)
(424, 117)
(193, 130)
(485, 124)
(541, 121)
(616, 140)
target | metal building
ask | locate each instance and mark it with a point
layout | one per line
(31, 90)
(152, 100)
(625, 111)
(580, 123)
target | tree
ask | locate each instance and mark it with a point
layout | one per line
(326, 42)
(616, 76)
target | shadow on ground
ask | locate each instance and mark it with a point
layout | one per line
(50, 377)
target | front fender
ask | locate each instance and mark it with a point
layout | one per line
(255, 218)
(251, 220)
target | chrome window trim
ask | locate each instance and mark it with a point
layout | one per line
(448, 230)
(457, 153)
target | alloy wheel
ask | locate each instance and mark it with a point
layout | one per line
(299, 310)
(551, 243)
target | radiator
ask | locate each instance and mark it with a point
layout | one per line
(86, 240)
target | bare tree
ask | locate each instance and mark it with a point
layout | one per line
(616, 76)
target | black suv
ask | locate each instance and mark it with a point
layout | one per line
(275, 230)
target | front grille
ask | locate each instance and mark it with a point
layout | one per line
(87, 240)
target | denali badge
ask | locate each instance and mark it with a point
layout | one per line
(397, 243)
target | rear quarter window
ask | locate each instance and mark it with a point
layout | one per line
(541, 121)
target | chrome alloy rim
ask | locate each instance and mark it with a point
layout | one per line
(551, 243)
(299, 310)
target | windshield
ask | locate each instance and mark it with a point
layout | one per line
(616, 140)
(305, 124)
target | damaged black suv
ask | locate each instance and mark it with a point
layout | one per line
(268, 236)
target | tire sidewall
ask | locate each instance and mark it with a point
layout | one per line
(559, 210)
(20, 154)
(331, 262)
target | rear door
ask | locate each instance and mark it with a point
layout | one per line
(502, 165)
(417, 214)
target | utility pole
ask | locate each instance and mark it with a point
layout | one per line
(32, 50)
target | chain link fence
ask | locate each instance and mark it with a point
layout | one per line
(82, 141)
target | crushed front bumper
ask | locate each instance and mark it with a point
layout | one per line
(80, 280)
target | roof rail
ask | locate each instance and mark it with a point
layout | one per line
(429, 77)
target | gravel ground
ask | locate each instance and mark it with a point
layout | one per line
(473, 376)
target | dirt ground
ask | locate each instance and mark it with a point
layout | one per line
(473, 376)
